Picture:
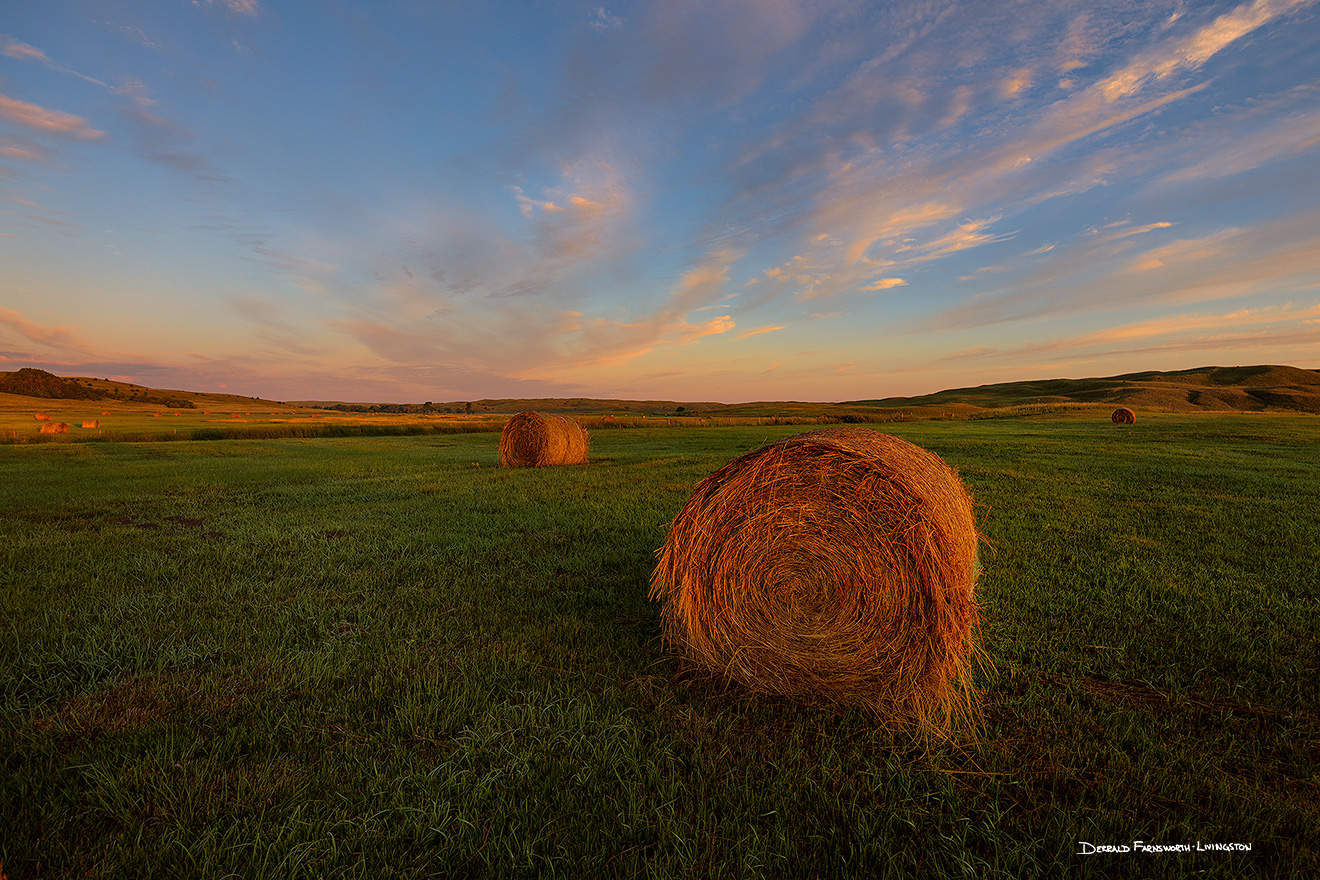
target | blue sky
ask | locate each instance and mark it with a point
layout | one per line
(771, 200)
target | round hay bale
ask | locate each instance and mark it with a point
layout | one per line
(839, 564)
(1123, 416)
(43, 417)
(55, 428)
(533, 439)
(91, 423)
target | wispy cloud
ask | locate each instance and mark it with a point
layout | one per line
(1283, 330)
(50, 123)
(1221, 151)
(891, 206)
(709, 186)
(1191, 51)
(17, 329)
(237, 7)
(1115, 271)
(13, 48)
(23, 150)
(603, 20)
(162, 140)
(760, 331)
(885, 284)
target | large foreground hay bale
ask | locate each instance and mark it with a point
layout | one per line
(1123, 416)
(533, 439)
(55, 428)
(838, 564)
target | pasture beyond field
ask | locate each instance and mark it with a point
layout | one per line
(386, 657)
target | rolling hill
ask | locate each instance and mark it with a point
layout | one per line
(1262, 388)
(32, 384)
(1255, 389)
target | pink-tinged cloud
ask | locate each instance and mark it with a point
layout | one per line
(1181, 325)
(1282, 256)
(26, 151)
(63, 340)
(1019, 81)
(580, 344)
(760, 331)
(885, 284)
(22, 51)
(47, 122)
(1195, 49)
(1121, 229)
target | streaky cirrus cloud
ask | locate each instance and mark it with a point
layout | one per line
(17, 49)
(238, 7)
(46, 122)
(19, 330)
(728, 196)
(1112, 272)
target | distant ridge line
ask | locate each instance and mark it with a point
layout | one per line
(1257, 388)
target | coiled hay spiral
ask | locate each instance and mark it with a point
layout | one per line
(533, 439)
(838, 564)
(1123, 416)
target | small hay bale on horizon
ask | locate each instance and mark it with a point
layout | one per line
(91, 423)
(837, 565)
(1123, 416)
(535, 439)
(55, 428)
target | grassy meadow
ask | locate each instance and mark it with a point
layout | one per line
(383, 656)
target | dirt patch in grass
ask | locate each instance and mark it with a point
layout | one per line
(187, 522)
(146, 701)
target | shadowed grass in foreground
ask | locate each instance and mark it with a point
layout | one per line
(386, 657)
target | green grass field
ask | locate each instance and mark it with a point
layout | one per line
(387, 657)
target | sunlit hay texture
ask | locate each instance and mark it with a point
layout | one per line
(838, 564)
(1124, 416)
(55, 428)
(533, 439)
(91, 423)
(43, 417)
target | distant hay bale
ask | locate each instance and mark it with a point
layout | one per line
(839, 564)
(91, 423)
(533, 439)
(155, 415)
(43, 417)
(1124, 416)
(55, 428)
